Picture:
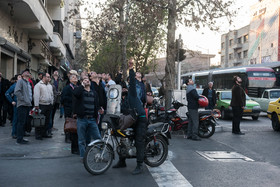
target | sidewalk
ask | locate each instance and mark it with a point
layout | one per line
(54, 147)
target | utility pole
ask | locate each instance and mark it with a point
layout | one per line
(179, 45)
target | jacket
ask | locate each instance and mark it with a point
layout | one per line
(5, 84)
(238, 96)
(192, 97)
(11, 97)
(58, 91)
(67, 97)
(78, 102)
(205, 93)
(23, 91)
(133, 100)
(99, 89)
(43, 94)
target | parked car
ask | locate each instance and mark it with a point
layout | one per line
(155, 91)
(267, 96)
(252, 108)
(273, 112)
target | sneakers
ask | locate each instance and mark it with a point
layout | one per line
(23, 141)
(138, 169)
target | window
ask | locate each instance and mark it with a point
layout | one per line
(239, 40)
(230, 42)
(239, 55)
(265, 95)
(230, 56)
(223, 45)
(222, 58)
(271, 45)
(245, 38)
(245, 54)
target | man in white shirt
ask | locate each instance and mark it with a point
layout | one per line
(43, 100)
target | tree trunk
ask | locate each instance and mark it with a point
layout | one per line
(170, 53)
(123, 38)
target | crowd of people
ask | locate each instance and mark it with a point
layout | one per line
(83, 97)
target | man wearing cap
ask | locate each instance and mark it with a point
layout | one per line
(23, 91)
(43, 100)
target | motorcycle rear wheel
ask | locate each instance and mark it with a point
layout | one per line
(206, 130)
(156, 151)
(98, 158)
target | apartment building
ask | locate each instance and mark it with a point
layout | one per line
(264, 40)
(257, 43)
(33, 35)
(234, 47)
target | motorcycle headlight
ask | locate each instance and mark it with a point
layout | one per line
(104, 125)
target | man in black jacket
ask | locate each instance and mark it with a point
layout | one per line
(192, 97)
(238, 102)
(210, 93)
(4, 86)
(86, 107)
(140, 126)
(66, 101)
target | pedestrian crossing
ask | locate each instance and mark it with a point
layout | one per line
(167, 174)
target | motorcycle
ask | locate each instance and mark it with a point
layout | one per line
(100, 154)
(156, 111)
(207, 120)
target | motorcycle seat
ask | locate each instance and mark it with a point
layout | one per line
(204, 112)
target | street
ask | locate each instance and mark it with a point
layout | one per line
(255, 161)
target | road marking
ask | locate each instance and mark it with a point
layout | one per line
(167, 174)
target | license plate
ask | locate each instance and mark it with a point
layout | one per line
(247, 110)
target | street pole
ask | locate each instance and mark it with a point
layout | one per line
(179, 64)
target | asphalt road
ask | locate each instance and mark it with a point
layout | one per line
(184, 167)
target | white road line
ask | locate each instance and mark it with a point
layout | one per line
(167, 175)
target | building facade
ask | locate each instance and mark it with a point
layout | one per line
(257, 43)
(195, 61)
(33, 35)
(234, 47)
(264, 40)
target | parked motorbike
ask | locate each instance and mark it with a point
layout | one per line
(207, 120)
(100, 153)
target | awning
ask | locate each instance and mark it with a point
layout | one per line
(10, 47)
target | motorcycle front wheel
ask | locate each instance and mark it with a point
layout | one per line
(206, 129)
(98, 158)
(156, 151)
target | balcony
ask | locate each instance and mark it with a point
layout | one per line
(57, 47)
(30, 15)
(237, 46)
(238, 61)
(41, 50)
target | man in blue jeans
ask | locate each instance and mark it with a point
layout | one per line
(23, 91)
(86, 107)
